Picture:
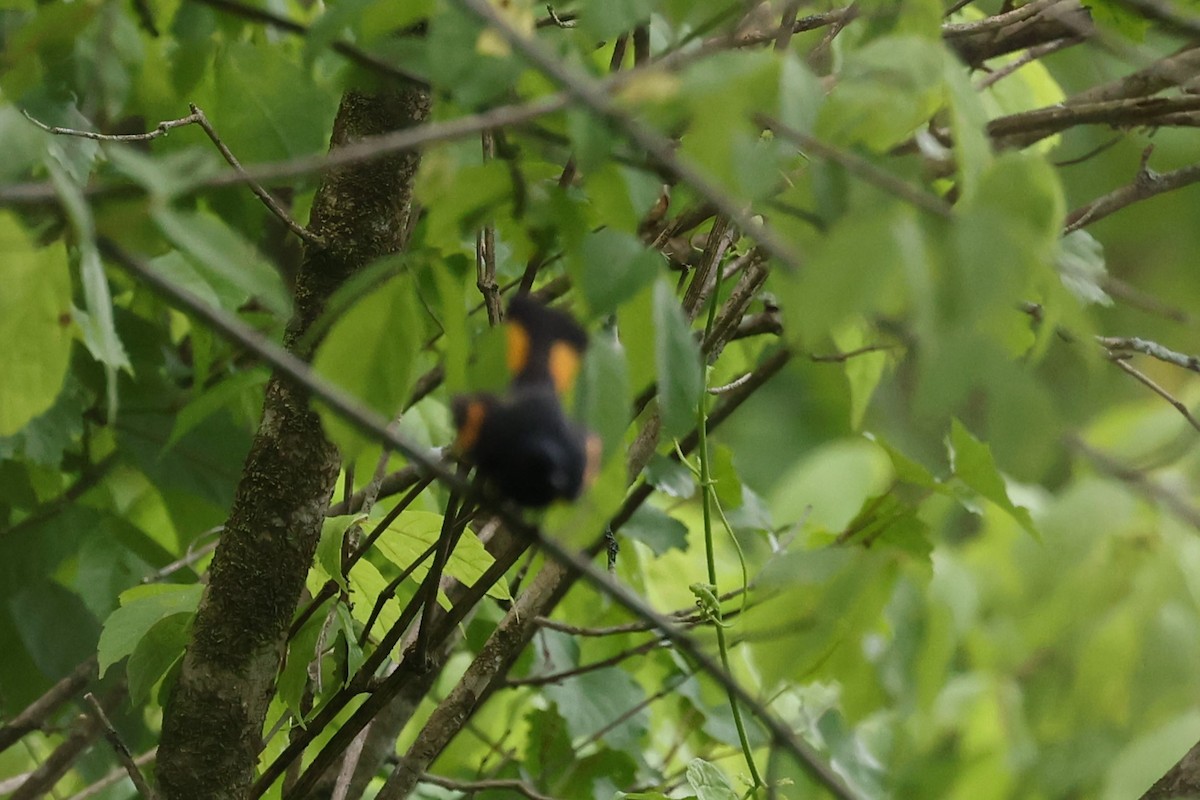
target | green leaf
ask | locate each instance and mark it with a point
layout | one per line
(603, 394)
(99, 329)
(885, 91)
(302, 649)
(266, 106)
(329, 548)
(215, 399)
(973, 464)
(708, 781)
(863, 371)
(656, 529)
(670, 477)
(828, 487)
(354, 653)
(677, 359)
(35, 313)
(596, 700)
(371, 352)
(413, 532)
(157, 651)
(141, 609)
(610, 267)
(224, 258)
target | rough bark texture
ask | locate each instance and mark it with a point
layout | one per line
(1182, 780)
(213, 722)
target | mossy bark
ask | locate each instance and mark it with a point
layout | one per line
(212, 725)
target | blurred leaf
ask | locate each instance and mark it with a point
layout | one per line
(670, 476)
(1080, 264)
(973, 464)
(224, 258)
(656, 529)
(611, 267)
(885, 90)
(827, 488)
(371, 353)
(603, 394)
(708, 781)
(35, 309)
(677, 357)
(96, 322)
(214, 399)
(329, 547)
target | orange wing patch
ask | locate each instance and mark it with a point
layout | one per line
(470, 424)
(517, 353)
(563, 366)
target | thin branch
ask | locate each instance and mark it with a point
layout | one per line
(583, 669)
(1028, 57)
(114, 777)
(485, 250)
(198, 118)
(1121, 344)
(495, 784)
(343, 48)
(860, 167)
(118, 745)
(1028, 127)
(661, 149)
(366, 149)
(36, 713)
(1145, 185)
(1145, 380)
(1140, 482)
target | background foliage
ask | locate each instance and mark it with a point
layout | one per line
(964, 509)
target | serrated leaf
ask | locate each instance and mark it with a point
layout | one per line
(141, 609)
(973, 464)
(677, 360)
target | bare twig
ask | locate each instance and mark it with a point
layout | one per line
(1028, 127)
(1145, 185)
(485, 250)
(662, 150)
(1028, 57)
(118, 746)
(494, 784)
(35, 715)
(114, 777)
(860, 167)
(1122, 344)
(1144, 379)
(198, 118)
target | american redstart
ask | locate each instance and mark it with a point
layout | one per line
(523, 443)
